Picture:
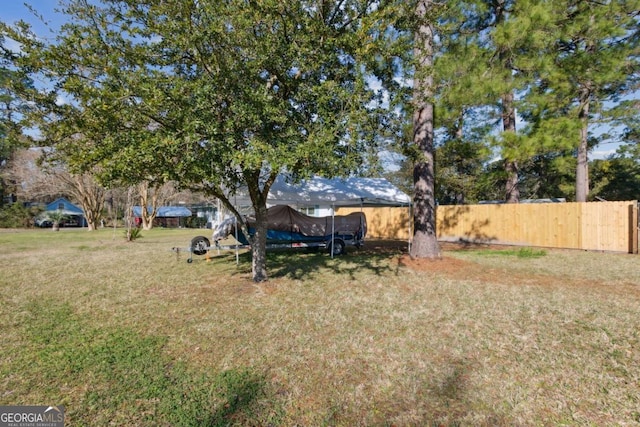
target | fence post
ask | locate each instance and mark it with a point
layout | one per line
(633, 227)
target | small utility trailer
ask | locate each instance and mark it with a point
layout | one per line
(288, 228)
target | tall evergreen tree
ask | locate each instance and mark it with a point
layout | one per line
(595, 61)
(459, 101)
(425, 241)
(498, 43)
(618, 177)
(12, 111)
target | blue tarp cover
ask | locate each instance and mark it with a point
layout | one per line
(165, 211)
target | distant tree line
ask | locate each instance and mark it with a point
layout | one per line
(33, 181)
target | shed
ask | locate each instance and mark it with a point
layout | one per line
(165, 211)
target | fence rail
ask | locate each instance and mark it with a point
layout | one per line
(603, 226)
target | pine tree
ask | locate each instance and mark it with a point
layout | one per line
(497, 41)
(425, 241)
(594, 60)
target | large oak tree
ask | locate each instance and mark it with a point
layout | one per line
(214, 95)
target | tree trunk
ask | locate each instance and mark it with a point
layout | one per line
(91, 198)
(512, 194)
(425, 241)
(582, 169)
(129, 211)
(259, 246)
(88, 193)
(147, 217)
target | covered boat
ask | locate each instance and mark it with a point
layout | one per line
(287, 227)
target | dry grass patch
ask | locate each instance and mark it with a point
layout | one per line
(370, 338)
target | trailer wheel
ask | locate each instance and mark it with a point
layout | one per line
(199, 245)
(337, 247)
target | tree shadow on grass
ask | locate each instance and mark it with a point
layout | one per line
(374, 259)
(445, 399)
(299, 264)
(242, 399)
(450, 397)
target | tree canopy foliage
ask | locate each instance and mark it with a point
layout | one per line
(562, 65)
(214, 95)
(11, 124)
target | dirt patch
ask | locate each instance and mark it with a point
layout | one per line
(402, 246)
(444, 264)
(453, 267)
(458, 269)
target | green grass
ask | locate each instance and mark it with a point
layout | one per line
(518, 252)
(124, 370)
(131, 334)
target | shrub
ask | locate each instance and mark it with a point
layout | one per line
(15, 215)
(133, 233)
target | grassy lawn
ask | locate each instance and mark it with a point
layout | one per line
(128, 334)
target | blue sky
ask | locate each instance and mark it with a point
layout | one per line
(12, 11)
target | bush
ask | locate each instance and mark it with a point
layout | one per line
(195, 222)
(15, 215)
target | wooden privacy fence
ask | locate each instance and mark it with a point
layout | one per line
(602, 226)
(384, 222)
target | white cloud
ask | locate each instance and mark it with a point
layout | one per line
(61, 100)
(600, 154)
(12, 45)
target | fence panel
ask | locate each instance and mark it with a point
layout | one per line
(608, 225)
(383, 222)
(553, 225)
(604, 226)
